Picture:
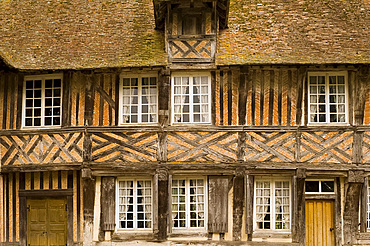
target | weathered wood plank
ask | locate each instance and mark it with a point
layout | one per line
(218, 189)
(108, 203)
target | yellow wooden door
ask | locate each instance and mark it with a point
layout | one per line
(320, 223)
(46, 222)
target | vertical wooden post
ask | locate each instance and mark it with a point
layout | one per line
(243, 94)
(249, 188)
(352, 199)
(302, 73)
(238, 203)
(66, 114)
(88, 205)
(363, 207)
(357, 147)
(164, 88)
(338, 214)
(163, 203)
(299, 235)
(363, 78)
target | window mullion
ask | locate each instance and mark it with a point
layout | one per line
(187, 202)
(42, 102)
(191, 106)
(139, 106)
(135, 204)
(327, 102)
(272, 205)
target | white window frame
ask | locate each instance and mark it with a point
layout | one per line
(190, 94)
(135, 212)
(327, 94)
(272, 204)
(42, 78)
(320, 185)
(139, 76)
(188, 228)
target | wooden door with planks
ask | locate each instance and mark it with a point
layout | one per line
(320, 223)
(46, 222)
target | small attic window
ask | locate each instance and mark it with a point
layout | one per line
(191, 24)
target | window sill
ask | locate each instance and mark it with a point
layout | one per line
(39, 127)
(133, 235)
(345, 124)
(272, 234)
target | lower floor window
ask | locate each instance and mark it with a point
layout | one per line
(135, 204)
(272, 204)
(188, 203)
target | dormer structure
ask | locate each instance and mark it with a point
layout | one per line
(191, 28)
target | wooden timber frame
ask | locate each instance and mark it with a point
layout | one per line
(243, 122)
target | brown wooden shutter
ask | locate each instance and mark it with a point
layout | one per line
(218, 190)
(108, 198)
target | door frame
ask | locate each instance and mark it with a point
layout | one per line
(66, 194)
(336, 197)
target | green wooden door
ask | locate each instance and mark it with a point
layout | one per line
(46, 222)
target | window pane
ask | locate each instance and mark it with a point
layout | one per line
(312, 186)
(327, 186)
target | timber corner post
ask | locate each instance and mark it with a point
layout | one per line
(352, 199)
(299, 208)
(88, 205)
(163, 204)
(238, 203)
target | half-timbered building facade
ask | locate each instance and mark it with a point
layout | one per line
(181, 122)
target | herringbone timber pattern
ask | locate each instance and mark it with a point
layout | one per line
(270, 146)
(41, 149)
(202, 146)
(366, 148)
(126, 147)
(335, 147)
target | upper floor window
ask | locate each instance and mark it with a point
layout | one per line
(42, 100)
(191, 24)
(191, 99)
(188, 203)
(327, 97)
(135, 204)
(138, 99)
(319, 186)
(272, 204)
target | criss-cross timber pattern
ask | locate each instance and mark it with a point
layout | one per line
(270, 146)
(126, 147)
(41, 149)
(366, 148)
(191, 49)
(335, 147)
(202, 146)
